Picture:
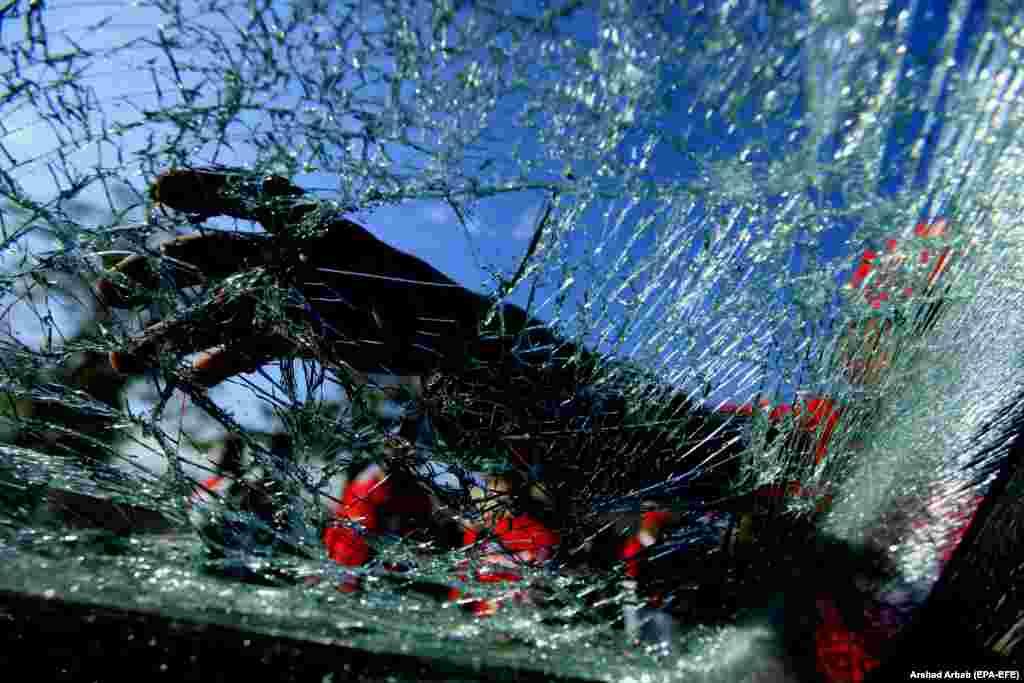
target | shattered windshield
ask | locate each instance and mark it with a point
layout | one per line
(487, 334)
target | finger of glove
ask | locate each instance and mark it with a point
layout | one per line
(188, 261)
(242, 356)
(129, 283)
(191, 191)
(202, 327)
(215, 254)
(205, 193)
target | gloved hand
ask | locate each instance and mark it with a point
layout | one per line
(314, 285)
